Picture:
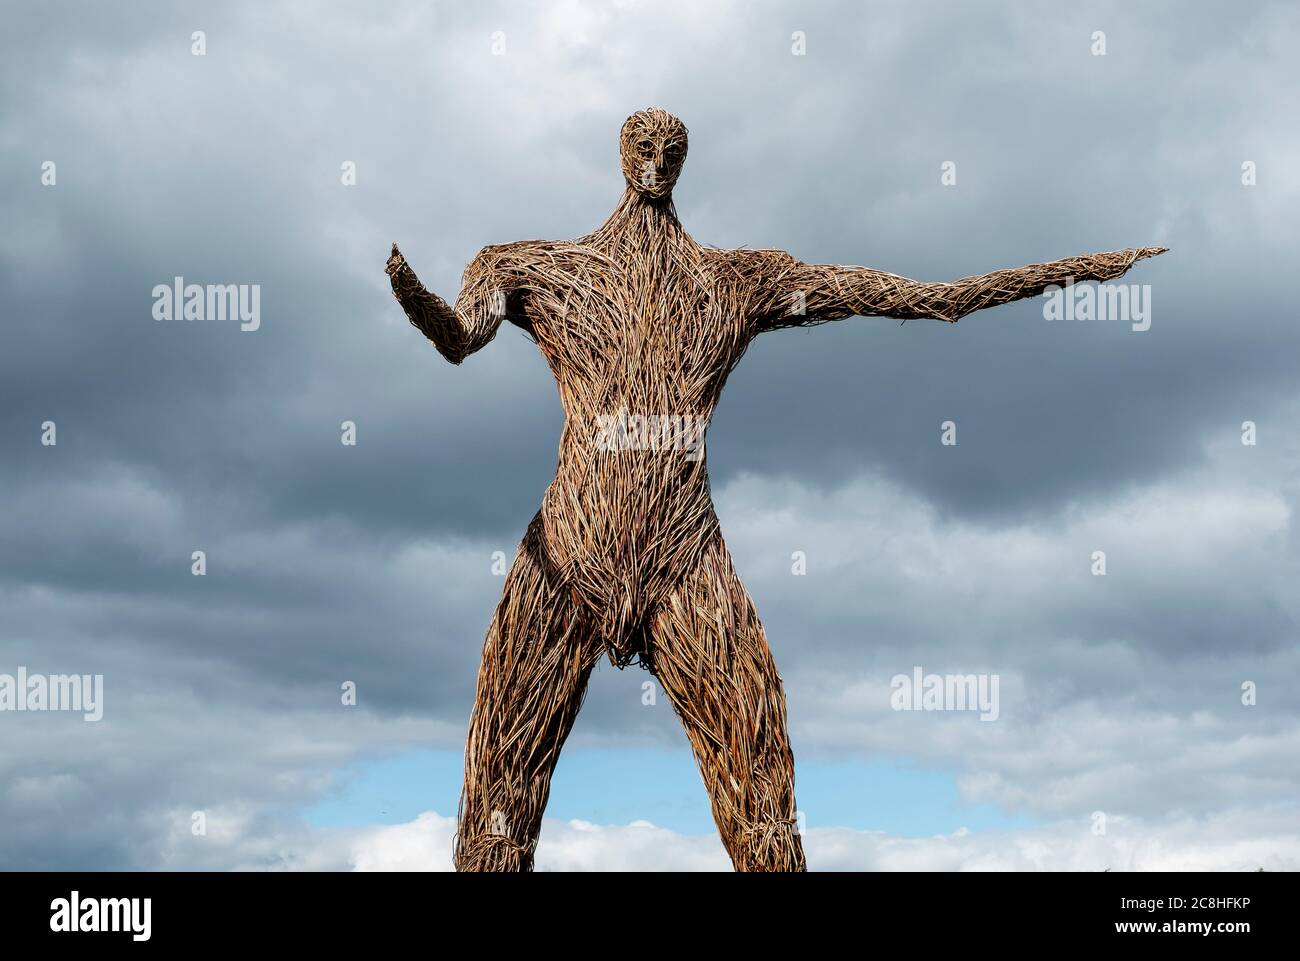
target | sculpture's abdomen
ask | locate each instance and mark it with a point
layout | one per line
(623, 524)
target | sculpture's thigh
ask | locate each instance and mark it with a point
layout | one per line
(709, 651)
(536, 662)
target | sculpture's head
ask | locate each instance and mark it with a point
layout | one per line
(653, 148)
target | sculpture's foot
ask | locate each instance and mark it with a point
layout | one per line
(492, 852)
(771, 846)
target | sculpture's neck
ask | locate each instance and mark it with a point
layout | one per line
(637, 216)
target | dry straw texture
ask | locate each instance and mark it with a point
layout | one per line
(625, 557)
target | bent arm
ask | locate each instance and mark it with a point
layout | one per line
(456, 333)
(795, 294)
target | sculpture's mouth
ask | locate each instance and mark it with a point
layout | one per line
(654, 182)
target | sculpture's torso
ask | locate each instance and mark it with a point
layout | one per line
(635, 320)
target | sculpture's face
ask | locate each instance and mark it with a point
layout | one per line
(653, 148)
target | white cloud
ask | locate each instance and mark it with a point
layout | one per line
(1233, 841)
(425, 844)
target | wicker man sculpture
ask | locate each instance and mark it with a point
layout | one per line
(641, 325)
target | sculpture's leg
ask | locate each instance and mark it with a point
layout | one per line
(708, 650)
(536, 662)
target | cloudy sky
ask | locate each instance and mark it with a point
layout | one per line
(1122, 739)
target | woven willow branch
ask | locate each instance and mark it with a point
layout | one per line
(641, 326)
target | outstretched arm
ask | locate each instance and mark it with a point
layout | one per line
(789, 293)
(481, 307)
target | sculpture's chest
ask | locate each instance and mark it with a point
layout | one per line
(668, 305)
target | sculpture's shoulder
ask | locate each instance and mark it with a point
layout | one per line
(534, 262)
(746, 268)
(745, 260)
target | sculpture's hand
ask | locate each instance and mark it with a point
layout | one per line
(395, 262)
(406, 286)
(455, 333)
(405, 283)
(1113, 265)
(426, 311)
